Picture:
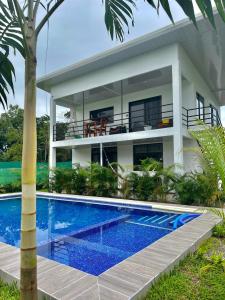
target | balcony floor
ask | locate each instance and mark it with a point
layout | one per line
(131, 136)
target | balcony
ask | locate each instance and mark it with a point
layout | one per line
(207, 115)
(133, 121)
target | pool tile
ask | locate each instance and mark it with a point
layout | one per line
(135, 279)
(136, 268)
(91, 294)
(59, 277)
(106, 294)
(117, 284)
(76, 288)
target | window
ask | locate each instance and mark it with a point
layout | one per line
(142, 152)
(145, 112)
(200, 103)
(214, 115)
(109, 155)
(104, 113)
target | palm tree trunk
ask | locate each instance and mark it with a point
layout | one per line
(28, 271)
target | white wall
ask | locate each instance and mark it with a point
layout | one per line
(199, 84)
(192, 161)
(167, 151)
(81, 156)
(125, 156)
(146, 62)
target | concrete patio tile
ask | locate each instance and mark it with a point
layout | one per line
(14, 267)
(135, 268)
(136, 279)
(143, 261)
(57, 278)
(92, 293)
(74, 289)
(8, 258)
(45, 265)
(106, 294)
(117, 284)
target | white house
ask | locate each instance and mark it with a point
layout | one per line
(140, 99)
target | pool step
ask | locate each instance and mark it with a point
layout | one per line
(157, 219)
(102, 225)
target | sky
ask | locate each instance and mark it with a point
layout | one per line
(77, 31)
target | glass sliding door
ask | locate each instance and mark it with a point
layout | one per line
(147, 112)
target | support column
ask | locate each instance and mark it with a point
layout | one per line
(52, 150)
(177, 115)
(101, 154)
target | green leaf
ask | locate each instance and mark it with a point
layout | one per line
(220, 8)
(188, 9)
(166, 7)
(151, 2)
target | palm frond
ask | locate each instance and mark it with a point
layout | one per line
(212, 144)
(10, 37)
(118, 13)
(10, 30)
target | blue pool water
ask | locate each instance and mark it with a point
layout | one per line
(89, 237)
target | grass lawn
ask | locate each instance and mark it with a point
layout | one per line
(8, 292)
(200, 276)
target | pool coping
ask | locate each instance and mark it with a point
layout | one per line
(129, 279)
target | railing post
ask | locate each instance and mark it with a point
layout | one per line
(187, 111)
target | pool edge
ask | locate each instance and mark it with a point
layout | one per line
(130, 279)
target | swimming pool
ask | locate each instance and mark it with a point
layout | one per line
(87, 236)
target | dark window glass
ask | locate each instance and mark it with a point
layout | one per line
(142, 152)
(104, 113)
(109, 155)
(214, 115)
(145, 112)
(200, 102)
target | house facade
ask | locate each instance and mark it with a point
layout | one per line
(141, 99)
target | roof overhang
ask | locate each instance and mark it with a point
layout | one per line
(205, 47)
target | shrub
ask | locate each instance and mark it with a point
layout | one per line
(62, 180)
(194, 188)
(11, 187)
(219, 230)
(79, 181)
(102, 181)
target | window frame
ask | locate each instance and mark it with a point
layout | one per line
(98, 119)
(200, 100)
(97, 153)
(212, 109)
(136, 166)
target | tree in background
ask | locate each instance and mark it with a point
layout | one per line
(11, 130)
(11, 140)
(118, 13)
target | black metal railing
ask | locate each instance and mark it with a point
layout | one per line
(119, 123)
(194, 116)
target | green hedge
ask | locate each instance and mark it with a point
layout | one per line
(10, 172)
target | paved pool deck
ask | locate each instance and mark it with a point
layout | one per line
(131, 278)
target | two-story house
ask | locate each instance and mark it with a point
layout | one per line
(140, 99)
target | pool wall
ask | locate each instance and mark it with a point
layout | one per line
(131, 278)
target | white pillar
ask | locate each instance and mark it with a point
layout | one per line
(101, 154)
(52, 149)
(74, 162)
(177, 114)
